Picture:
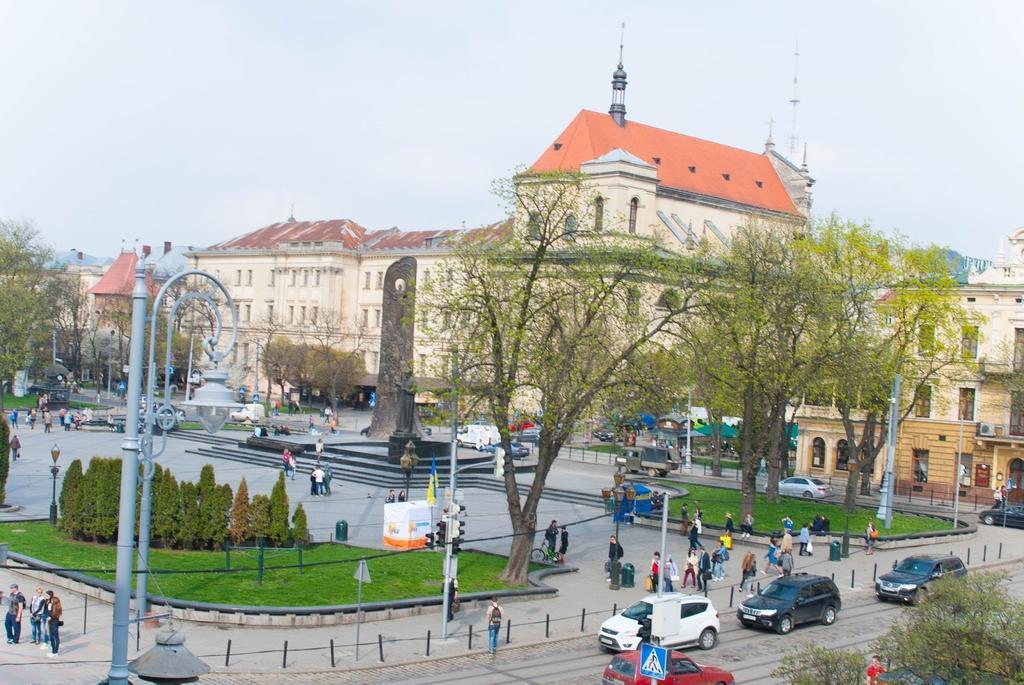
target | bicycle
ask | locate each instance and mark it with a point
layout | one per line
(544, 555)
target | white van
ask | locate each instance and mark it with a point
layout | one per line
(250, 412)
(478, 434)
(698, 623)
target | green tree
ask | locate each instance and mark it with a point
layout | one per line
(219, 531)
(209, 515)
(300, 526)
(5, 453)
(240, 528)
(70, 501)
(551, 310)
(259, 513)
(100, 494)
(279, 532)
(966, 630)
(24, 313)
(166, 507)
(822, 666)
(190, 525)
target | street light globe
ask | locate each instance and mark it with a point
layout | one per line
(213, 402)
(55, 453)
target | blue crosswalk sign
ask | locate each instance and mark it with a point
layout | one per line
(653, 661)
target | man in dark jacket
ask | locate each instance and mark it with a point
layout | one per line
(703, 568)
(614, 553)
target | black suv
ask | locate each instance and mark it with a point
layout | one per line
(914, 575)
(789, 600)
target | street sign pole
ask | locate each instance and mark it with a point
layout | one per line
(664, 532)
(362, 574)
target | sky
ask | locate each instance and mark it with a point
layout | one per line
(198, 121)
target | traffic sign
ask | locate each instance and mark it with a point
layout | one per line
(653, 661)
(362, 573)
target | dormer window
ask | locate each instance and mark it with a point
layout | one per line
(692, 169)
(759, 184)
(557, 146)
(726, 176)
(657, 160)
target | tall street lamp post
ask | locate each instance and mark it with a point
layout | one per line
(614, 565)
(110, 361)
(213, 403)
(54, 470)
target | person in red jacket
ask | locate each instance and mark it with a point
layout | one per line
(875, 669)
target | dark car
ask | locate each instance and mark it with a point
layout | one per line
(604, 435)
(682, 670)
(914, 575)
(519, 451)
(994, 517)
(791, 600)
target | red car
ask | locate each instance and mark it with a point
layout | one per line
(625, 670)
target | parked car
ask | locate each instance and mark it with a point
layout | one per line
(914, 575)
(604, 435)
(682, 670)
(475, 434)
(250, 412)
(791, 600)
(994, 517)
(698, 623)
(804, 486)
(519, 451)
(656, 461)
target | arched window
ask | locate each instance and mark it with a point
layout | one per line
(818, 454)
(842, 456)
(598, 214)
(570, 227)
(634, 205)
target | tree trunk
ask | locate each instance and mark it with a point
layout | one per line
(774, 459)
(748, 485)
(716, 445)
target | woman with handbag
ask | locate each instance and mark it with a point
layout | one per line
(870, 536)
(671, 574)
(54, 611)
(691, 568)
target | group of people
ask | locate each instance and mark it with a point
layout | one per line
(66, 419)
(556, 534)
(44, 614)
(392, 497)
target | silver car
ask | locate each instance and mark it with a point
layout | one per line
(804, 486)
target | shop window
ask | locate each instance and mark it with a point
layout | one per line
(966, 468)
(920, 466)
(842, 456)
(818, 454)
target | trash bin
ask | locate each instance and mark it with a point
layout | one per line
(835, 551)
(628, 575)
(341, 530)
(119, 427)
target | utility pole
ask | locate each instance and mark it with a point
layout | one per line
(956, 472)
(689, 426)
(888, 486)
(449, 573)
(660, 581)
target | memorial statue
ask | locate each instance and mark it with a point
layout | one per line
(405, 423)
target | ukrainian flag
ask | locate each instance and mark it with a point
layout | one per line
(432, 483)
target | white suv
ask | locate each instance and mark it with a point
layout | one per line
(698, 623)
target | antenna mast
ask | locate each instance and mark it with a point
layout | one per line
(795, 101)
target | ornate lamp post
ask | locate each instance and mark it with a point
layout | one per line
(54, 470)
(619, 493)
(408, 462)
(213, 403)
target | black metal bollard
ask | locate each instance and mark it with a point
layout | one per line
(227, 655)
(332, 647)
(853, 574)
(931, 497)
(547, 625)
(470, 646)
(968, 556)
(428, 643)
(732, 591)
(615, 608)
(759, 587)
(1000, 550)
(508, 632)
(705, 588)
(380, 646)
(984, 553)
(833, 576)
(874, 574)
(284, 655)
(583, 620)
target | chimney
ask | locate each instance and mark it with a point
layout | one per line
(146, 250)
(167, 246)
(80, 256)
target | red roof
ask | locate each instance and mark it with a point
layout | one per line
(119, 278)
(343, 231)
(686, 163)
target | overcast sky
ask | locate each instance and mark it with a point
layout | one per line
(195, 122)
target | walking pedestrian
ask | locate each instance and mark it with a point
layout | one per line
(692, 558)
(286, 462)
(655, 572)
(671, 574)
(695, 534)
(614, 554)
(718, 562)
(997, 496)
(871, 535)
(35, 617)
(15, 447)
(747, 527)
(328, 477)
(563, 547)
(453, 591)
(748, 567)
(14, 418)
(293, 464)
(54, 611)
(319, 448)
(787, 542)
(47, 420)
(729, 529)
(32, 420)
(875, 669)
(493, 625)
(318, 481)
(786, 563)
(787, 524)
(15, 609)
(805, 540)
(772, 556)
(703, 569)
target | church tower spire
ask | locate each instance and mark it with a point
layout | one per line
(618, 108)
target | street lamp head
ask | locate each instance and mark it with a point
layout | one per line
(213, 402)
(55, 453)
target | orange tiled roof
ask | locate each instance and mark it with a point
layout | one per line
(592, 134)
(348, 233)
(119, 278)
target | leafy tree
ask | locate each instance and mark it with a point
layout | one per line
(212, 520)
(100, 494)
(278, 356)
(259, 512)
(547, 308)
(822, 666)
(279, 531)
(69, 310)
(70, 500)
(219, 531)
(967, 630)
(166, 507)
(300, 526)
(24, 314)
(5, 453)
(239, 528)
(190, 523)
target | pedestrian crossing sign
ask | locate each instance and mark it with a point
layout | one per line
(653, 661)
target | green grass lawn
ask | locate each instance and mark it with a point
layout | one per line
(26, 402)
(768, 515)
(412, 574)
